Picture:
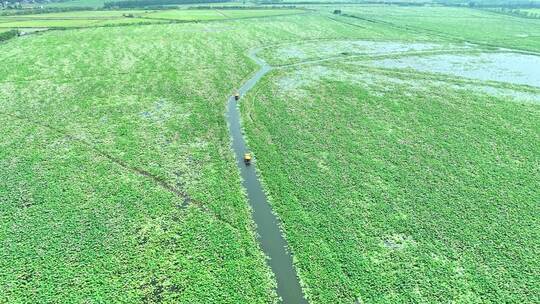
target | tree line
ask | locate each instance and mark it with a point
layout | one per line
(518, 12)
(492, 3)
(151, 3)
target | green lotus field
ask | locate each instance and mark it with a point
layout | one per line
(397, 147)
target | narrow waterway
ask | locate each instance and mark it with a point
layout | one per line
(269, 234)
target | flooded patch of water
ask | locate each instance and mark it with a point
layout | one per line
(511, 68)
(509, 94)
(321, 49)
(298, 83)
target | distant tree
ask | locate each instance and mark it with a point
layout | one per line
(8, 35)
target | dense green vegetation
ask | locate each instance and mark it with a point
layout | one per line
(97, 18)
(528, 13)
(491, 3)
(66, 23)
(7, 34)
(207, 14)
(98, 159)
(460, 24)
(397, 188)
(79, 14)
(78, 3)
(118, 184)
(74, 19)
(106, 130)
(150, 3)
(401, 186)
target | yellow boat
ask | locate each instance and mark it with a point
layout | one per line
(247, 158)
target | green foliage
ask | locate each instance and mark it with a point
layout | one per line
(399, 187)
(8, 34)
(460, 24)
(85, 217)
(76, 4)
(150, 3)
(95, 18)
(524, 13)
(207, 14)
(105, 130)
(118, 183)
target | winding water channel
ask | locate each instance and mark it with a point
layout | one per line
(269, 234)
